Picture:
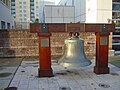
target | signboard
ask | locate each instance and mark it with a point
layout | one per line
(44, 42)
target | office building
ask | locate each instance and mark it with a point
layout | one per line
(116, 20)
(6, 20)
(26, 11)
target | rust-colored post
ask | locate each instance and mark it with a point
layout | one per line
(102, 41)
(45, 69)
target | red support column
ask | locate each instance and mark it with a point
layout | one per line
(45, 69)
(102, 41)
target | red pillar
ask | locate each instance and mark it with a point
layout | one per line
(102, 41)
(45, 69)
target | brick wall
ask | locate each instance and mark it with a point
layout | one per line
(22, 43)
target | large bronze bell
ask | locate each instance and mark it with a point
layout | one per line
(74, 55)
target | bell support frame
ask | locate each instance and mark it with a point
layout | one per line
(102, 41)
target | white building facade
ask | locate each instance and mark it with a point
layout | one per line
(59, 14)
(90, 11)
(6, 20)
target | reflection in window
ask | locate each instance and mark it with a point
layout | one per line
(117, 23)
(116, 15)
(116, 6)
(3, 25)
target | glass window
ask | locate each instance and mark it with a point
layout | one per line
(37, 7)
(37, 15)
(25, 19)
(32, 11)
(116, 6)
(12, 7)
(3, 25)
(20, 6)
(24, 7)
(20, 10)
(12, 2)
(20, 15)
(20, 19)
(32, 15)
(24, 15)
(24, 10)
(116, 15)
(20, 2)
(32, 7)
(24, 2)
(36, 2)
(8, 25)
(31, 2)
(37, 11)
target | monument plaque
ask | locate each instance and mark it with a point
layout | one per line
(103, 40)
(44, 42)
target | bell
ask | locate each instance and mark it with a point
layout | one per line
(74, 55)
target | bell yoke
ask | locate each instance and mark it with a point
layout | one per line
(102, 40)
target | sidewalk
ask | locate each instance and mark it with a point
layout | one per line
(65, 79)
(8, 67)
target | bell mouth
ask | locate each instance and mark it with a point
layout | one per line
(74, 65)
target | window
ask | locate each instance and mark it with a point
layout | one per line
(32, 7)
(24, 15)
(116, 6)
(24, 7)
(20, 2)
(36, 2)
(37, 11)
(25, 19)
(24, 11)
(3, 25)
(20, 6)
(20, 19)
(20, 10)
(37, 15)
(24, 2)
(20, 15)
(8, 25)
(32, 15)
(12, 7)
(32, 11)
(37, 7)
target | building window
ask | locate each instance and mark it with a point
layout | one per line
(25, 19)
(24, 15)
(20, 6)
(20, 15)
(37, 15)
(32, 7)
(37, 7)
(32, 15)
(36, 2)
(24, 2)
(3, 25)
(24, 11)
(8, 25)
(24, 7)
(37, 11)
(20, 2)
(20, 19)
(12, 7)
(116, 6)
(20, 10)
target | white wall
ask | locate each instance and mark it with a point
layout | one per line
(5, 15)
(91, 11)
(59, 14)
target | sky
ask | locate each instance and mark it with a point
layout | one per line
(57, 1)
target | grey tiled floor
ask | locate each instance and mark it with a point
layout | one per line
(65, 79)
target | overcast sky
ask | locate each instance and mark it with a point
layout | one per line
(57, 1)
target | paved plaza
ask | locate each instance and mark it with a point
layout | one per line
(25, 77)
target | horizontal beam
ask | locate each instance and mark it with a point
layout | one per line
(71, 27)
